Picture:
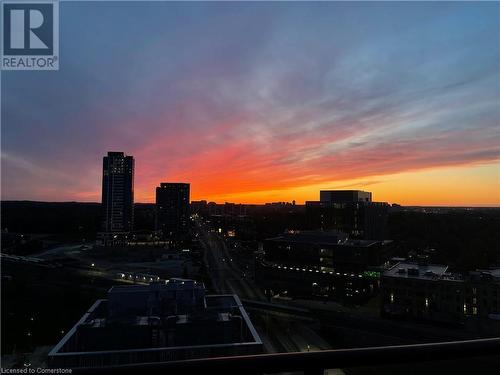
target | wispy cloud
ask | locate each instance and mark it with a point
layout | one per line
(255, 97)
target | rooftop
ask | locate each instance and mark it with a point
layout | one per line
(170, 284)
(488, 275)
(145, 323)
(416, 271)
(331, 237)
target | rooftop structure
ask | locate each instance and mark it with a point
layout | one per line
(330, 237)
(344, 196)
(417, 271)
(165, 321)
(491, 275)
(171, 297)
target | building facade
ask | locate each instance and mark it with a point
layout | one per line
(172, 209)
(322, 263)
(117, 195)
(349, 211)
(430, 292)
(344, 196)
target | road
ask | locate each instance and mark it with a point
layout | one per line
(226, 276)
(279, 334)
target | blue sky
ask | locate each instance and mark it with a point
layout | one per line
(250, 101)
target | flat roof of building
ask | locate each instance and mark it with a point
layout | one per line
(311, 236)
(410, 270)
(170, 284)
(492, 275)
(493, 272)
(95, 316)
(323, 237)
(344, 191)
(363, 243)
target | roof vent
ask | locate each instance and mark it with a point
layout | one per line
(413, 271)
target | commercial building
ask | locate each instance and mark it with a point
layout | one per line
(117, 197)
(172, 209)
(431, 292)
(163, 321)
(322, 263)
(349, 211)
(344, 196)
(199, 208)
(205, 209)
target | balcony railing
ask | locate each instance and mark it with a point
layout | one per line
(315, 362)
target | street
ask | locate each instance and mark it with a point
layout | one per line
(277, 333)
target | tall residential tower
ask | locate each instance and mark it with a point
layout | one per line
(172, 209)
(117, 193)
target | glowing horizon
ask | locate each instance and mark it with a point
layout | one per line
(263, 102)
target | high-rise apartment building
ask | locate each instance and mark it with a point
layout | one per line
(117, 193)
(172, 208)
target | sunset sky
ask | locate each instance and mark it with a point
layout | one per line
(260, 102)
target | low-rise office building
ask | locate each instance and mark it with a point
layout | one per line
(430, 292)
(172, 320)
(322, 263)
(349, 211)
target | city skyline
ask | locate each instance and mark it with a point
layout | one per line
(264, 102)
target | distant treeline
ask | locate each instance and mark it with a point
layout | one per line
(462, 238)
(63, 218)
